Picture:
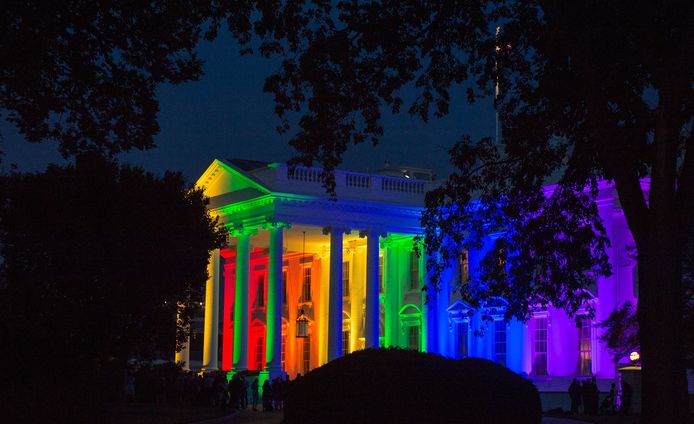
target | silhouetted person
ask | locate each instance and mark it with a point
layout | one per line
(575, 395)
(608, 404)
(254, 394)
(594, 396)
(267, 396)
(277, 394)
(244, 393)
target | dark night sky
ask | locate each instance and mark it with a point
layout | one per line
(226, 115)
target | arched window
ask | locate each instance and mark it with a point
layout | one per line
(260, 292)
(410, 322)
(585, 346)
(346, 325)
(306, 285)
(500, 342)
(540, 345)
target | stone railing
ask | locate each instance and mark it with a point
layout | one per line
(351, 185)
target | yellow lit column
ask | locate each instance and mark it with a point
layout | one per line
(211, 335)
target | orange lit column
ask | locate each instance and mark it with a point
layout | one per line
(243, 259)
(210, 346)
(335, 293)
(372, 289)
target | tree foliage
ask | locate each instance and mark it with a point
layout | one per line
(99, 260)
(84, 74)
(587, 91)
(622, 331)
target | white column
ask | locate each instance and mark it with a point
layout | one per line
(335, 301)
(211, 335)
(243, 258)
(273, 328)
(183, 356)
(372, 289)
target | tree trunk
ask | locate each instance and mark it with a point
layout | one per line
(660, 307)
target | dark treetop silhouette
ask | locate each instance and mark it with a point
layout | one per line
(99, 261)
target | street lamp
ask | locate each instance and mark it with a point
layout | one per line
(302, 325)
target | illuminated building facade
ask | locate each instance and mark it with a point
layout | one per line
(349, 267)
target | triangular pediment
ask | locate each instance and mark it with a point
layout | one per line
(224, 182)
(459, 307)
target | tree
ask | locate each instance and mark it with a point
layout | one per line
(622, 331)
(99, 260)
(587, 91)
(85, 74)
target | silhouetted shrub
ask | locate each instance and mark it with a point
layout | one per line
(404, 386)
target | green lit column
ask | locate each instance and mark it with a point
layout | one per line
(273, 345)
(392, 294)
(243, 258)
(211, 335)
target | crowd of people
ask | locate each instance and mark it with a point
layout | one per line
(585, 398)
(171, 385)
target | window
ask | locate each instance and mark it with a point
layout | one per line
(462, 337)
(259, 354)
(260, 293)
(307, 355)
(380, 274)
(345, 279)
(540, 353)
(306, 285)
(463, 266)
(345, 343)
(413, 337)
(500, 342)
(584, 347)
(283, 355)
(414, 271)
(284, 287)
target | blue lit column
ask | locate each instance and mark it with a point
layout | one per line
(372, 289)
(335, 296)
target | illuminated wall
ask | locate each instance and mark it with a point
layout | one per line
(406, 321)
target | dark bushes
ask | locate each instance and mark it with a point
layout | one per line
(404, 386)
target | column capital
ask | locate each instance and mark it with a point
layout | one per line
(273, 223)
(386, 242)
(372, 232)
(236, 230)
(333, 230)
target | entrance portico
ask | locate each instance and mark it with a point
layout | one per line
(298, 251)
